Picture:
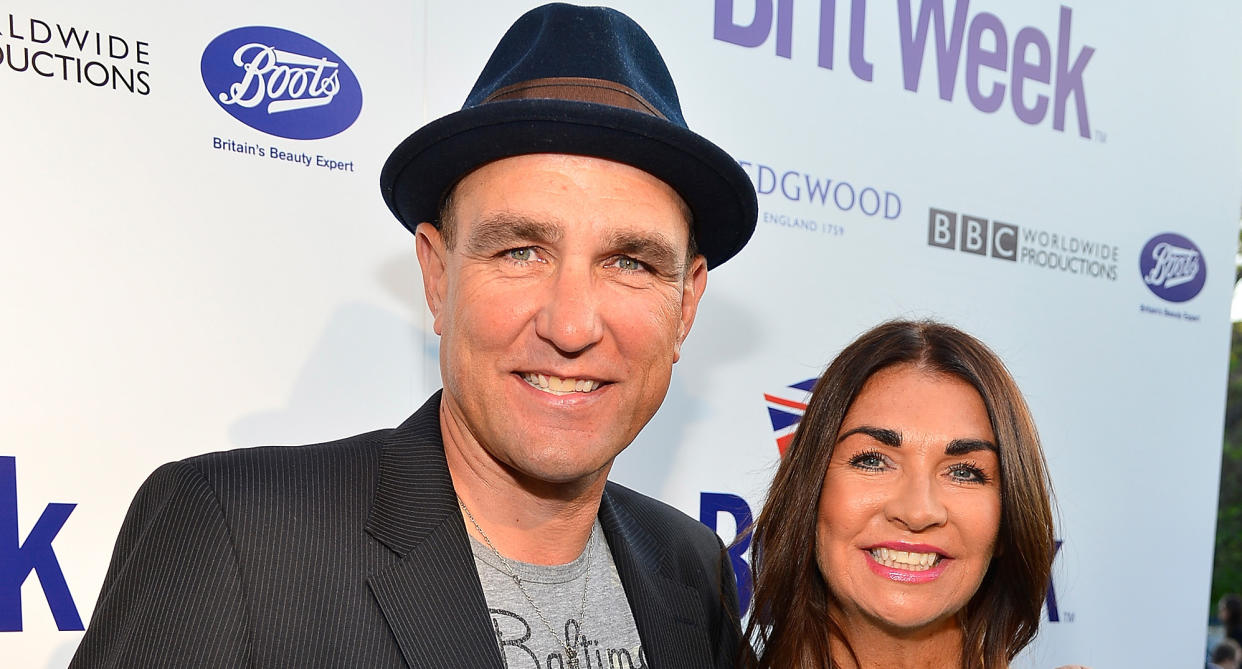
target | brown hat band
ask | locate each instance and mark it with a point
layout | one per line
(580, 89)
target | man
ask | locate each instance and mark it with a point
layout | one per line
(576, 218)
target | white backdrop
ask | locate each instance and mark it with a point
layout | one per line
(163, 295)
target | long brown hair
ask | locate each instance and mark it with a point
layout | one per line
(791, 619)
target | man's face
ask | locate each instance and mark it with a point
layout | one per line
(561, 308)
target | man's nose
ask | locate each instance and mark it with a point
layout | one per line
(570, 317)
(915, 503)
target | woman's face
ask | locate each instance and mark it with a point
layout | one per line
(911, 503)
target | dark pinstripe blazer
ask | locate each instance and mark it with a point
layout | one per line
(353, 554)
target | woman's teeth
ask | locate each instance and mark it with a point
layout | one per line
(904, 559)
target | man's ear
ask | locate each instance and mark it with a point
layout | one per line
(691, 292)
(429, 245)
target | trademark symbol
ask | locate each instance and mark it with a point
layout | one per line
(1101, 136)
(1067, 616)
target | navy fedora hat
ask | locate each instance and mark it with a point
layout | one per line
(576, 80)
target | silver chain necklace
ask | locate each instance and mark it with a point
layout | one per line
(570, 654)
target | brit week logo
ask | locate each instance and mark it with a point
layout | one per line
(281, 83)
(1034, 74)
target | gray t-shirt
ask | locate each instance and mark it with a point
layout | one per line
(602, 633)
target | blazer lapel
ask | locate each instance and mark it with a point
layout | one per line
(668, 613)
(432, 598)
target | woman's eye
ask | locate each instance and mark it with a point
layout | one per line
(870, 461)
(967, 474)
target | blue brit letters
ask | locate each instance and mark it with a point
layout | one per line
(711, 505)
(1050, 600)
(19, 558)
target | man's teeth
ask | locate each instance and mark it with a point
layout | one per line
(559, 386)
(904, 559)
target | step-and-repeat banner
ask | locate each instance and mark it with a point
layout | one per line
(196, 257)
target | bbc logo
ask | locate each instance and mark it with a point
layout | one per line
(972, 234)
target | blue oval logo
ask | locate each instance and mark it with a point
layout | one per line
(1172, 267)
(281, 83)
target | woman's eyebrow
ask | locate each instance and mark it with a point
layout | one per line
(893, 438)
(881, 434)
(964, 446)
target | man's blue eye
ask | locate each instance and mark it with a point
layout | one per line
(628, 264)
(523, 254)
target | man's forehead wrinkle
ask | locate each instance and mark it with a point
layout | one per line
(501, 229)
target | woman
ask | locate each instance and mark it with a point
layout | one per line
(909, 524)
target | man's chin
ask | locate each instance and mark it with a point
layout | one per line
(567, 471)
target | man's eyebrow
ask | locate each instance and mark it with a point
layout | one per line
(504, 230)
(883, 435)
(964, 446)
(652, 248)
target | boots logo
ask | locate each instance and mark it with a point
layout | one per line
(281, 83)
(1172, 267)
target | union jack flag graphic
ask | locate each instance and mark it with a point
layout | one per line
(785, 409)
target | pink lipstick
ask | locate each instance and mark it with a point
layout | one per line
(912, 576)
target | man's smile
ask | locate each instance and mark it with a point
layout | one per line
(560, 386)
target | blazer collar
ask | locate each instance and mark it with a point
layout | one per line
(414, 494)
(431, 598)
(668, 613)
